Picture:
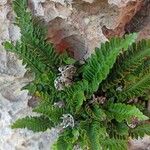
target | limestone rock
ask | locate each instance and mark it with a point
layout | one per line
(80, 22)
(3, 2)
(124, 18)
(89, 1)
(120, 3)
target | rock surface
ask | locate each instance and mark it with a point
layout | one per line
(79, 26)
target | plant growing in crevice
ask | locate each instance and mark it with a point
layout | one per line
(93, 103)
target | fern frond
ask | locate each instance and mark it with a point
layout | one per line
(75, 96)
(98, 66)
(136, 88)
(121, 112)
(114, 144)
(67, 140)
(43, 84)
(27, 56)
(87, 122)
(96, 113)
(54, 113)
(96, 133)
(120, 130)
(36, 124)
(33, 36)
(127, 63)
(61, 144)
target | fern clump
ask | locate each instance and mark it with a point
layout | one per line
(92, 103)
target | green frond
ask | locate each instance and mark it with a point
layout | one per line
(28, 57)
(140, 131)
(120, 130)
(114, 144)
(66, 140)
(127, 63)
(83, 128)
(96, 133)
(96, 113)
(33, 38)
(61, 144)
(43, 83)
(121, 112)
(98, 66)
(54, 113)
(36, 124)
(75, 96)
(136, 87)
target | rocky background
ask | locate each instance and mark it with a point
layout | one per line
(79, 26)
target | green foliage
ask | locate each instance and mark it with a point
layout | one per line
(66, 140)
(33, 49)
(98, 66)
(96, 134)
(74, 95)
(50, 111)
(127, 63)
(27, 56)
(96, 110)
(121, 112)
(137, 87)
(35, 124)
(114, 144)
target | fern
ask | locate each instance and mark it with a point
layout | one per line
(137, 86)
(127, 63)
(28, 56)
(33, 45)
(122, 112)
(61, 144)
(96, 133)
(98, 66)
(74, 95)
(113, 144)
(66, 140)
(96, 113)
(118, 71)
(35, 124)
(33, 35)
(50, 111)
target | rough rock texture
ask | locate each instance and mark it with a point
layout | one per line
(126, 14)
(140, 144)
(75, 25)
(80, 28)
(120, 3)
